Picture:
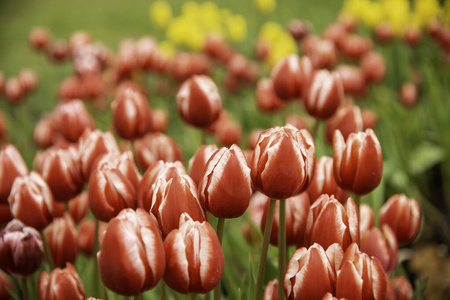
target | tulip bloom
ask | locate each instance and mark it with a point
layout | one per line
(21, 249)
(283, 161)
(226, 187)
(266, 98)
(358, 162)
(347, 119)
(12, 166)
(62, 240)
(198, 101)
(353, 79)
(228, 132)
(381, 244)
(61, 284)
(197, 163)
(86, 235)
(402, 288)
(39, 38)
(194, 257)
(403, 215)
(271, 291)
(131, 259)
(374, 67)
(72, 119)
(366, 218)
(78, 207)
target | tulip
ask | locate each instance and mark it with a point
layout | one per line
(358, 162)
(299, 29)
(366, 218)
(228, 133)
(369, 118)
(78, 206)
(271, 291)
(61, 284)
(226, 187)
(185, 65)
(194, 257)
(349, 22)
(384, 32)
(44, 133)
(13, 90)
(21, 249)
(86, 236)
(402, 288)
(373, 66)
(28, 80)
(58, 50)
(298, 121)
(322, 52)
(324, 95)
(197, 163)
(323, 181)
(353, 79)
(256, 208)
(72, 119)
(31, 201)
(61, 237)
(408, 94)
(198, 101)
(131, 259)
(167, 207)
(78, 40)
(266, 98)
(12, 166)
(5, 287)
(158, 170)
(5, 215)
(330, 222)
(347, 119)
(159, 120)
(412, 36)
(241, 68)
(360, 277)
(252, 138)
(334, 32)
(381, 244)
(70, 88)
(283, 161)
(146, 48)
(39, 38)
(156, 146)
(403, 215)
(355, 46)
(309, 274)
(217, 48)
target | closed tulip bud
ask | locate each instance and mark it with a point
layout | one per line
(366, 218)
(355, 46)
(78, 40)
(78, 206)
(159, 120)
(349, 22)
(266, 98)
(256, 208)
(381, 244)
(12, 166)
(373, 66)
(5, 215)
(253, 137)
(402, 288)
(131, 259)
(408, 94)
(384, 32)
(62, 240)
(271, 291)
(298, 121)
(61, 284)
(70, 88)
(156, 146)
(226, 187)
(322, 52)
(347, 119)
(131, 114)
(39, 38)
(72, 119)
(61, 170)
(58, 50)
(86, 235)
(13, 90)
(334, 32)
(330, 222)
(291, 76)
(353, 79)
(309, 274)
(158, 170)
(28, 80)
(323, 181)
(412, 36)
(44, 133)
(31, 201)
(297, 209)
(166, 204)
(403, 215)
(5, 287)
(21, 249)
(283, 161)
(358, 162)
(369, 118)
(360, 277)
(228, 132)
(324, 95)
(198, 162)
(194, 257)
(198, 101)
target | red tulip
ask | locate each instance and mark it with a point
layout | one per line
(12, 166)
(408, 94)
(28, 80)
(70, 88)
(78, 206)
(347, 119)
(384, 32)
(44, 133)
(323, 181)
(283, 161)
(198, 162)
(252, 138)
(366, 217)
(198, 101)
(21, 249)
(403, 215)
(322, 52)
(228, 132)
(58, 50)
(194, 257)
(256, 208)
(330, 222)
(218, 48)
(131, 259)
(86, 235)
(146, 49)
(353, 79)
(5, 215)
(355, 46)
(369, 118)
(159, 120)
(185, 65)
(298, 121)
(13, 90)
(158, 170)
(381, 244)
(61, 284)
(266, 98)
(412, 36)
(373, 66)
(31, 201)
(299, 29)
(271, 291)
(309, 274)
(39, 38)
(72, 119)
(334, 32)
(358, 162)
(167, 207)
(402, 288)
(61, 237)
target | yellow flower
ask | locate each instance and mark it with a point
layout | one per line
(190, 9)
(237, 28)
(160, 13)
(425, 10)
(372, 14)
(266, 6)
(167, 49)
(397, 12)
(271, 31)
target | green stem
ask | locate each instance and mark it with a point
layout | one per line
(25, 289)
(193, 297)
(357, 201)
(126, 298)
(48, 254)
(264, 249)
(138, 297)
(203, 137)
(208, 296)
(220, 227)
(315, 128)
(162, 292)
(281, 247)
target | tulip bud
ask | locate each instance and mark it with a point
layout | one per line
(86, 236)
(58, 50)
(198, 101)
(72, 119)
(159, 120)
(226, 187)
(412, 36)
(334, 32)
(61, 237)
(402, 288)
(324, 95)
(353, 79)
(358, 162)
(31, 201)
(167, 207)
(156, 146)
(21, 249)
(228, 133)
(323, 181)
(5, 215)
(283, 161)
(218, 48)
(299, 29)
(13, 90)
(78, 40)
(78, 206)
(266, 98)
(44, 133)
(381, 244)
(194, 257)
(322, 52)
(366, 218)
(408, 94)
(198, 162)
(256, 208)
(373, 66)
(369, 118)
(158, 170)
(355, 46)
(12, 166)
(39, 38)
(309, 274)
(61, 284)
(70, 88)
(384, 32)
(131, 259)
(403, 215)
(271, 291)
(298, 121)
(347, 119)
(28, 80)
(330, 222)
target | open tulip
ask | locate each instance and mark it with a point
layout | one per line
(12, 166)
(61, 284)
(131, 259)
(194, 257)
(347, 119)
(198, 162)
(358, 162)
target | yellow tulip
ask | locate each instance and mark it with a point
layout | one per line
(160, 13)
(266, 6)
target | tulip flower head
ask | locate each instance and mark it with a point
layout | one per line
(61, 284)
(197, 163)
(12, 165)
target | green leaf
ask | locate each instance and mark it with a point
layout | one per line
(425, 156)
(419, 292)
